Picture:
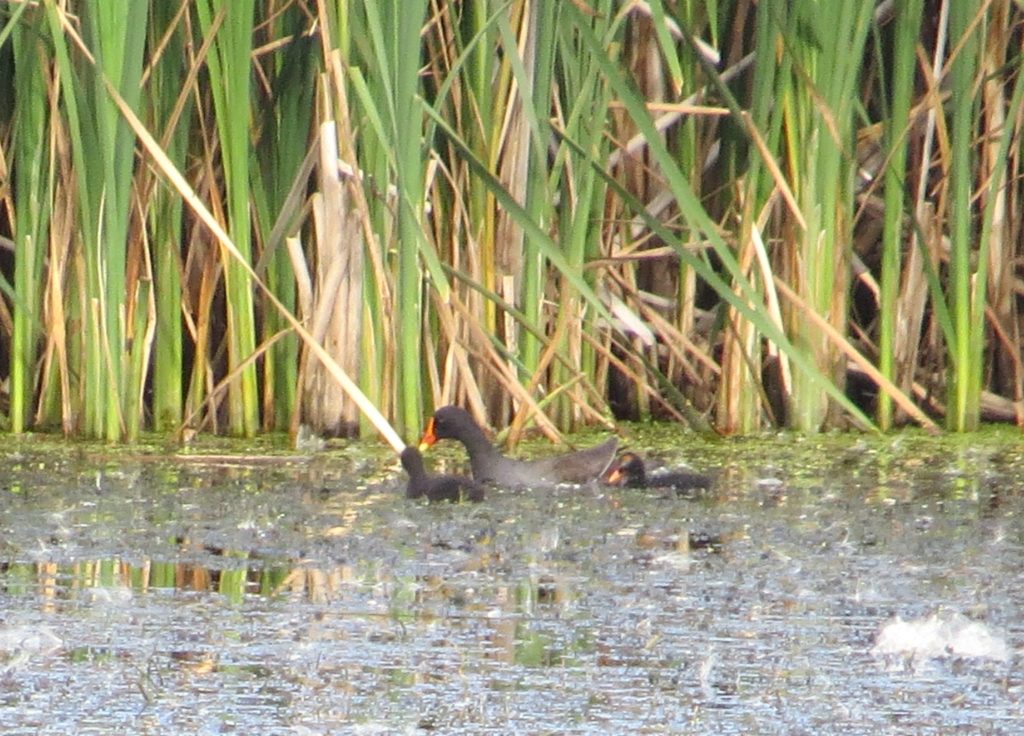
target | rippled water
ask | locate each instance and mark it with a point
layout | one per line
(297, 594)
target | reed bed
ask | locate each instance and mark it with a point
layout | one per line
(258, 215)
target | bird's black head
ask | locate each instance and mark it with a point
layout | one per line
(449, 422)
(412, 460)
(628, 471)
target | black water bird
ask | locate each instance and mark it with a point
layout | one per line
(490, 466)
(437, 487)
(628, 471)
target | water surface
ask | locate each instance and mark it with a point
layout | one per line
(288, 593)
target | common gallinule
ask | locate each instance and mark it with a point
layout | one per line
(490, 466)
(628, 471)
(437, 487)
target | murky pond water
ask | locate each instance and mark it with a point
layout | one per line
(303, 594)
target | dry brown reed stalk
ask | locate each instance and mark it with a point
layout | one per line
(182, 186)
(56, 364)
(739, 408)
(481, 346)
(335, 318)
(855, 355)
(456, 370)
(997, 120)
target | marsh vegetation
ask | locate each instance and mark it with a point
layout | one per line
(235, 216)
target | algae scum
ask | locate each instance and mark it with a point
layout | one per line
(825, 585)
